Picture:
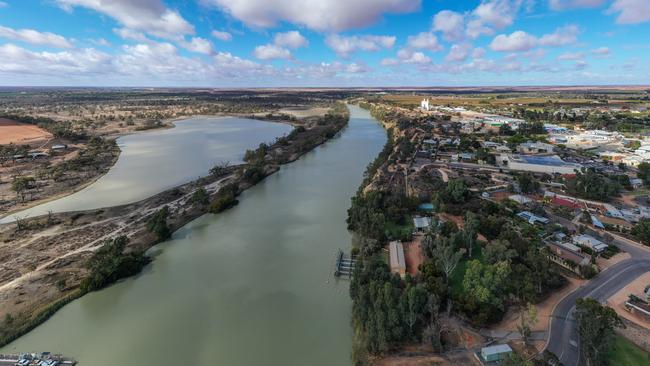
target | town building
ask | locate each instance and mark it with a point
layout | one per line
(567, 255)
(421, 223)
(495, 353)
(590, 242)
(531, 147)
(532, 218)
(551, 164)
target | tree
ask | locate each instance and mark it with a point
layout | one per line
(470, 231)
(157, 224)
(590, 184)
(21, 184)
(596, 324)
(487, 282)
(642, 231)
(456, 192)
(200, 197)
(644, 172)
(527, 183)
(110, 263)
(527, 318)
(220, 168)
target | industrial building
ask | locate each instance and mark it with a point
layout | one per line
(397, 260)
(551, 164)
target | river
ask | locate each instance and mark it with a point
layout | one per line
(153, 161)
(250, 286)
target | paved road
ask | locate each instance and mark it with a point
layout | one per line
(606, 284)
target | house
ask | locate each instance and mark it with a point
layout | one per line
(495, 353)
(421, 223)
(397, 261)
(565, 202)
(532, 218)
(590, 242)
(567, 255)
(520, 199)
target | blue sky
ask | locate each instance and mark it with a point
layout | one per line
(270, 43)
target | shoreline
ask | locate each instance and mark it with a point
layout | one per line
(168, 123)
(135, 216)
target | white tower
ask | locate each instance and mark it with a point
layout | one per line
(424, 104)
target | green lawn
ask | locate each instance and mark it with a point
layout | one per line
(626, 353)
(456, 279)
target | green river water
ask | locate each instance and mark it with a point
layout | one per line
(250, 286)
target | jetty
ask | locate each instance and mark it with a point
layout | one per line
(345, 264)
(36, 359)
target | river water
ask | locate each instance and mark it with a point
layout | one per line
(250, 286)
(153, 161)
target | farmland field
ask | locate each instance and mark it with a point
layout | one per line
(18, 133)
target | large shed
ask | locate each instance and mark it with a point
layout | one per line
(397, 261)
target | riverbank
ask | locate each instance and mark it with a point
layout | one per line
(52, 250)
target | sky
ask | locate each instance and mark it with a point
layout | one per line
(323, 43)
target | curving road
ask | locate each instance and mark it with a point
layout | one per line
(563, 336)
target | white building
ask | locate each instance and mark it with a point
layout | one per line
(424, 104)
(551, 164)
(590, 242)
(535, 148)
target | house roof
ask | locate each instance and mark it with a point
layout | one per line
(397, 260)
(496, 349)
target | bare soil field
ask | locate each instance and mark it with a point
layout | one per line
(12, 132)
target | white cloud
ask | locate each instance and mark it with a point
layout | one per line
(514, 42)
(571, 56)
(425, 41)
(410, 57)
(478, 52)
(581, 65)
(14, 59)
(101, 42)
(499, 13)
(631, 11)
(198, 45)
(150, 16)
(601, 52)
(3, 4)
(561, 37)
(131, 35)
(355, 68)
(451, 24)
(572, 4)
(458, 52)
(271, 52)
(35, 37)
(320, 15)
(291, 39)
(221, 35)
(389, 62)
(344, 46)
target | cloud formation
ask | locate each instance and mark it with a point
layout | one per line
(150, 16)
(221, 35)
(319, 15)
(344, 46)
(35, 37)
